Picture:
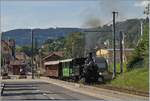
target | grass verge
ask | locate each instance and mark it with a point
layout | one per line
(137, 79)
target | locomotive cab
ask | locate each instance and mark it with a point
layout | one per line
(102, 67)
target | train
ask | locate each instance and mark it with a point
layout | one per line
(78, 69)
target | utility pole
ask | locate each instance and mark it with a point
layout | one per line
(147, 11)
(114, 42)
(40, 53)
(32, 65)
(35, 52)
(141, 24)
(141, 27)
(121, 52)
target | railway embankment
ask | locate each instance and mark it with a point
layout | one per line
(135, 82)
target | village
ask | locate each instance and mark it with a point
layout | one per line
(15, 64)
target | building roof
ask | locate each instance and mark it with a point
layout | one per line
(17, 62)
(51, 63)
(126, 49)
(60, 54)
(66, 60)
(21, 56)
(57, 62)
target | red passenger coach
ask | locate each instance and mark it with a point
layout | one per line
(52, 69)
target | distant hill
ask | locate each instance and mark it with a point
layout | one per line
(130, 27)
(23, 36)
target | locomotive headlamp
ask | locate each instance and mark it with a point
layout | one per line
(100, 73)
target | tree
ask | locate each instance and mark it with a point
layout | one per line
(25, 49)
(141, 53)
(74, 45)
(54, 44)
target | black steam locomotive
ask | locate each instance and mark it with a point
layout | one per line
(89, 69)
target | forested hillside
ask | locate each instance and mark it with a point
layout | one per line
(130, 27)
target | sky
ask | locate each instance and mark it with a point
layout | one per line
(64, 13)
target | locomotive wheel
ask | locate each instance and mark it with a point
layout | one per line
(101, 79)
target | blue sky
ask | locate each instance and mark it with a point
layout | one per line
(64, 13)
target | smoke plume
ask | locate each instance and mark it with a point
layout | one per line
(92, 22)
(97, 17)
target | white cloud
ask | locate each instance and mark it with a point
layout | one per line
(141, 3)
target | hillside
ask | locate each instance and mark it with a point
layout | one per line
(130, 27)
(23, 36)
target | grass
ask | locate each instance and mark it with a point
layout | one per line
(111, 66)
(137, 79)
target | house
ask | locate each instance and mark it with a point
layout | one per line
(7, 54)
(51, 58)
(17, 66)
(108, 54)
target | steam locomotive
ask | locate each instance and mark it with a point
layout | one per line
(87, 69)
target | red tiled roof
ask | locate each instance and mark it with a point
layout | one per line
(60, 54)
